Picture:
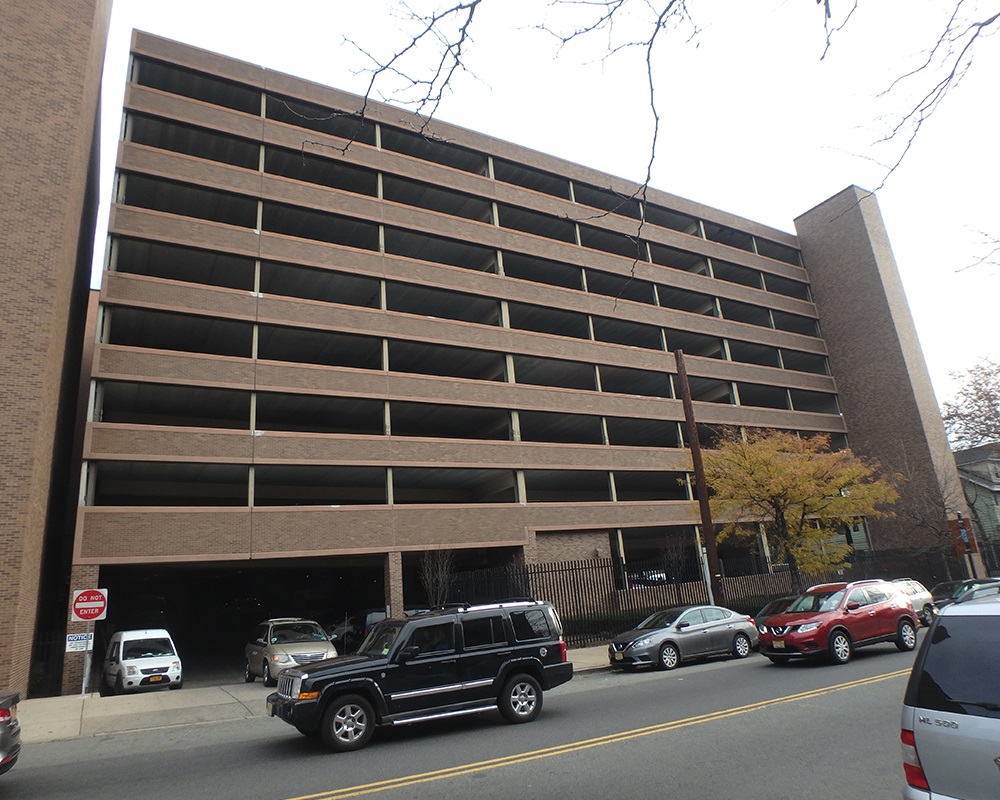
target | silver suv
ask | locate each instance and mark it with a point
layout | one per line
(951, 709)
(920, 598)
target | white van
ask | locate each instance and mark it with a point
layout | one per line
(143, 659)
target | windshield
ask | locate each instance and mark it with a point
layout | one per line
(817, 601)
(379, 641)
(147, 648)
(948, 589)
(297, 632)
(661, 619)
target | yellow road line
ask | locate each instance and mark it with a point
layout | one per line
(585, 744)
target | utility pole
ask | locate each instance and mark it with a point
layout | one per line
(701, 488)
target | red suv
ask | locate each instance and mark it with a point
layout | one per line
(834, 618)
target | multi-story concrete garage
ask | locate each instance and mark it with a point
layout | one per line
(326, 344)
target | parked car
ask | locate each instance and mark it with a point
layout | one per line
(951, 715)
(946, 592)
(276, 644)
(975, 592)
(920, 598)
(833, 619)
(443, 663)
(669, 637)
(351, 631)
(10, 731)
(776, 606)
(141, 659)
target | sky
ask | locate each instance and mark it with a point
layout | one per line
(754, 119)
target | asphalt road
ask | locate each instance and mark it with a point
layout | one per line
(717, 729)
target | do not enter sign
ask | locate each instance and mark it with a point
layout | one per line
(90, 604)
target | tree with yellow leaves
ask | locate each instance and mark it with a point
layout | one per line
(802, 492)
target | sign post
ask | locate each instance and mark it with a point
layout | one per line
(89, 605)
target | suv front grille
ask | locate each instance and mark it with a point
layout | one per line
(781, 630)
(288, 685)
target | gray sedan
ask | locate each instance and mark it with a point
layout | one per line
(668, 637)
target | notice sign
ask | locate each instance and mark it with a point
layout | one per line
(79, 642)
(89, 605)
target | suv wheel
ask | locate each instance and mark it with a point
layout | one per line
(741, 645)
(248, 675)
(520, 699)
(927, 615)
(906, 635)
(841, 648)
(669, 656)
(348, 723)
(265, 674)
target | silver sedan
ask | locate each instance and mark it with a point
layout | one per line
(668, 637)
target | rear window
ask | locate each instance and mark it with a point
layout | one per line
(530, 625)
(959, 673)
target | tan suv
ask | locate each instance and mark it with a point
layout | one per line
(277, 644)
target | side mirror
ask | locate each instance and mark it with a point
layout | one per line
(854, 605)
(682, 625)
(407, 653)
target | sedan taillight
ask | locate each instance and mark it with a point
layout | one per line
(5, 715)
(911, 761)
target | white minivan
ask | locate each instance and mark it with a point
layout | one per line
(142, 659)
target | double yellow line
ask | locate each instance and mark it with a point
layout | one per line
(585, 744)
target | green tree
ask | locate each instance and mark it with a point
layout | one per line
(802, 492)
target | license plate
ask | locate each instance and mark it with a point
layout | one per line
(778, 644)
(619, 656)
(155, 678)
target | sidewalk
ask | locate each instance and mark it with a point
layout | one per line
(48, 719)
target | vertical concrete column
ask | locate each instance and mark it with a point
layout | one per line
(394, 583)
(82, 577)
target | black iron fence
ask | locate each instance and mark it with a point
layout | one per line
(599, 598)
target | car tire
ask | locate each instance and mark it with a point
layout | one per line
(265, 674)
(176, 685)
(119, 684)
(348, 723)
(927, 615)
(669, 657)
(742, 645)
(248, 674)
(778, 660)
(840, 648)
(906, 635)
(520, 699)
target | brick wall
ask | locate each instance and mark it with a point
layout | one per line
(52, 55)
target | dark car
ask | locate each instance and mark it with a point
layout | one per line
(947, 592)
(443, 663)
(10, 731)
(776, 606)
(669, 637)
(833, 619)
(351, 631)
(982, 590)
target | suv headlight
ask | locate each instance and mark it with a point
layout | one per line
(809, 626)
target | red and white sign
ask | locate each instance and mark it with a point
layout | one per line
(90, 604)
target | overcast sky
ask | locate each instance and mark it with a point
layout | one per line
(753, 122)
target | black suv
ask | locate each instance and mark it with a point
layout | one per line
(456, 660)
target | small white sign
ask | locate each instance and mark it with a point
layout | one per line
(79, 642)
